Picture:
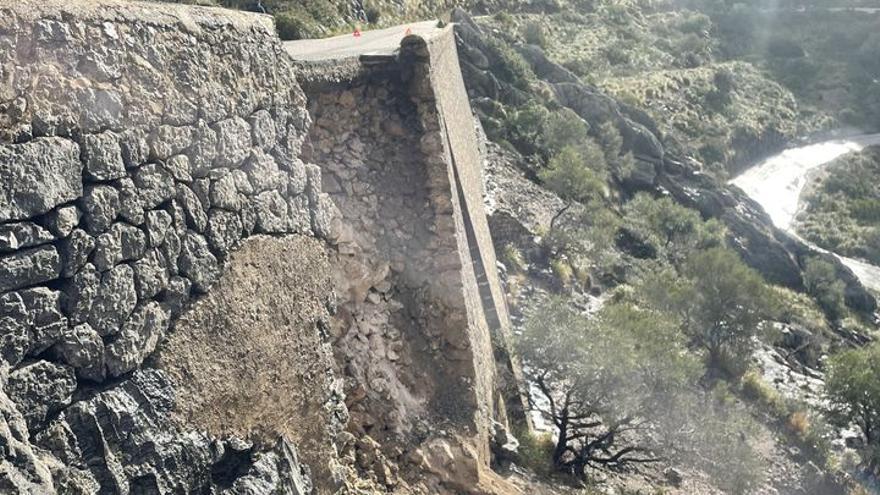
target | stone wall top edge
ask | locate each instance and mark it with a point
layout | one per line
(190, 17)
(315, 74)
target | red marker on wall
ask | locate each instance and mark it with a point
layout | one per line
(408, 32)
(357, 33)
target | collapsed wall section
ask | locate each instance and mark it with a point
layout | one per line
(140, 145)
(402, 329)
(422, 322)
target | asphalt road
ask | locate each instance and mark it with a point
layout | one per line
(377, 42)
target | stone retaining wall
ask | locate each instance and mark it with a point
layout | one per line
(162, 240)
(139, 145)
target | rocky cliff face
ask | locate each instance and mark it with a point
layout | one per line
(659, 167)
(169, 265)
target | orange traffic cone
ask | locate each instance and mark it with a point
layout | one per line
(408, 32)
(357, 33)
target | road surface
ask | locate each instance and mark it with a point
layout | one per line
(379, 42)
(777, 182)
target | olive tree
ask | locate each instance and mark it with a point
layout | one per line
(620, 388)
(602, 380)
(719, 303)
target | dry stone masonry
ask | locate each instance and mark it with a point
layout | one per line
(138, 146)
(169, 261)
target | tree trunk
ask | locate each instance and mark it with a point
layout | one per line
(561, 443)
(559, 214)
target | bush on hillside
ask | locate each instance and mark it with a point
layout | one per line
(820, 278)
(575, 174)
(719, 303)
(533, 33)
(671, 229)
(854, 393)
(610, 380)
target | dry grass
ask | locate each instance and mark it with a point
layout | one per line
(798, 423)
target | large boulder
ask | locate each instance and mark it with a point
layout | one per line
(39, 389)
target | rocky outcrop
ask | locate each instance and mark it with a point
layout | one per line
(153, 453)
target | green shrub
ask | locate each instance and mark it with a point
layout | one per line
(562, 271)
(820, 278)
(373, 14)
(535, 452)
(507, 64)
(719, 302)
(504, 18)
(524, 127)
(513, 258)
(853, 391)
(574, 176)
(564, 128)
(757, 390)
(294, 26)
(617, 55)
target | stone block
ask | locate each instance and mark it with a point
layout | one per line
(233, 141)
(82, 348)
(150, 274)
(39, 175)
(224, 230)
(61, 221)
(103, 156)
(75, 251)
(122, 242)
(29, 267)
(167, 141)
(116, 298)
(137, 339)
(15, 236)
(154, 184)
(262, 129)
(100, 206)
(197, 263)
